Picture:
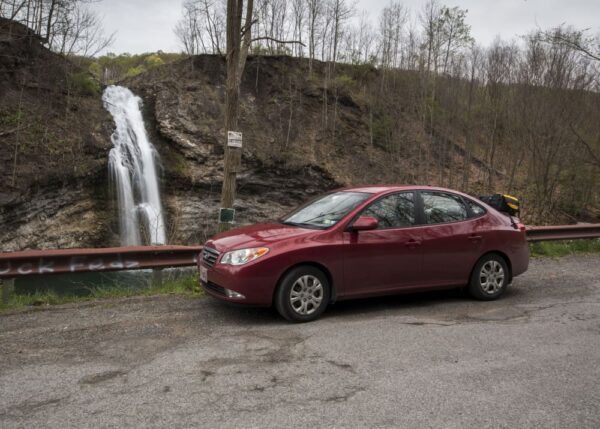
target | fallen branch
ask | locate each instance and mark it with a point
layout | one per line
(278, 41)
(14, 130)
(248, 26)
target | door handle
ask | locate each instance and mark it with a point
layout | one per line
(475, 237)
(412, 243)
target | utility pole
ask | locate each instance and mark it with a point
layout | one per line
(239, 40)
(233, 155)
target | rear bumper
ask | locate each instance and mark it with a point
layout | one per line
(520, 259)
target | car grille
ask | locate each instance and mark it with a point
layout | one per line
(215, 288)
(209, 256)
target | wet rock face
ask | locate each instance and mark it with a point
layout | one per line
(55, 218)
(263, 195)
(184, 111)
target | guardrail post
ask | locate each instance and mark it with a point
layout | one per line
(7, 288)
(157, 277)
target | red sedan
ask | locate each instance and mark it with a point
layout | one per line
(363, 242)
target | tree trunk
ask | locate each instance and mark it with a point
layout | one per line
(232, 155)
(246, 42)
(469, 135)
(49, 22)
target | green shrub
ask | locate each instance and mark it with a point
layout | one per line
(382, 127)
(153, 60)
(344, 81)
(134, 71)
(85, 84)
(13, 118)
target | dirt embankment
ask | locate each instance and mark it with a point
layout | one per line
(54, 138)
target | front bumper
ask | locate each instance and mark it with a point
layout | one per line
(255, 281)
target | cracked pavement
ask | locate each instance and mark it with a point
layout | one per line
(531, 359)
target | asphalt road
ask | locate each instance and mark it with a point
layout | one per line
(531, 359)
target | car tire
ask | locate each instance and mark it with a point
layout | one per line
(303, 294)
(489, 278)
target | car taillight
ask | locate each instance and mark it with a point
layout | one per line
(521, 227)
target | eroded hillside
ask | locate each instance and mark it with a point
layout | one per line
(54, 138)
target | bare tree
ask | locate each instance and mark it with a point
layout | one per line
(315, 9)
(188, 30)
(431, 21)
(202, 27)
(577, 40)
(456, 32)
(273, 25)
(474, 63)
(80, 32)
(67, 26)
(391, 26)
(299, 15)
(340, 12)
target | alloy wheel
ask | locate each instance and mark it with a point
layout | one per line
(491, 277)
(306, 295)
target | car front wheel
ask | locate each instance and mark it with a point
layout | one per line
(489, 278)
(303, 294)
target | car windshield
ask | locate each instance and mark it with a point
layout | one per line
(326, 211)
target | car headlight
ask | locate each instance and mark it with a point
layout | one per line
(243, 256)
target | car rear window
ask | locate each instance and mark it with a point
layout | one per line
(443, 208)
(475, 209)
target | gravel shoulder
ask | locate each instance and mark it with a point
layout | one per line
(531, 359)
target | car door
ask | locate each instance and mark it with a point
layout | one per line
(386, 258)
(451, 241)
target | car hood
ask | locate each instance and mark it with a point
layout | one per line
(264, 234)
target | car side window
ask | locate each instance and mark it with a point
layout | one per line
(476, 209)
(393, 211)
(442, 208)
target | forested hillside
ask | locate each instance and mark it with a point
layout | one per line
(364, 125)
(519, 116)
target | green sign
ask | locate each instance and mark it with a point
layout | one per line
(226, 215)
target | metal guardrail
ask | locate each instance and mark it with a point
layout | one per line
(31, 262)
(563, 232)
(36, 262)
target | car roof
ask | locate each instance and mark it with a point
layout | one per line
(382, 189)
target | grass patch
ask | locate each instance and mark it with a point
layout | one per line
(564, 248)
(184, 286)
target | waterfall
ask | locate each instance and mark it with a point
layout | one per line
(132, 163)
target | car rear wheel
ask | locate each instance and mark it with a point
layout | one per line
(489, 278)
(303, 294)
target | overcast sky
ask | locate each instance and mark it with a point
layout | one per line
(147, 25)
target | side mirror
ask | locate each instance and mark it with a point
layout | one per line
(365, 223)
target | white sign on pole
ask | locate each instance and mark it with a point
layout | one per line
(234, 139)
